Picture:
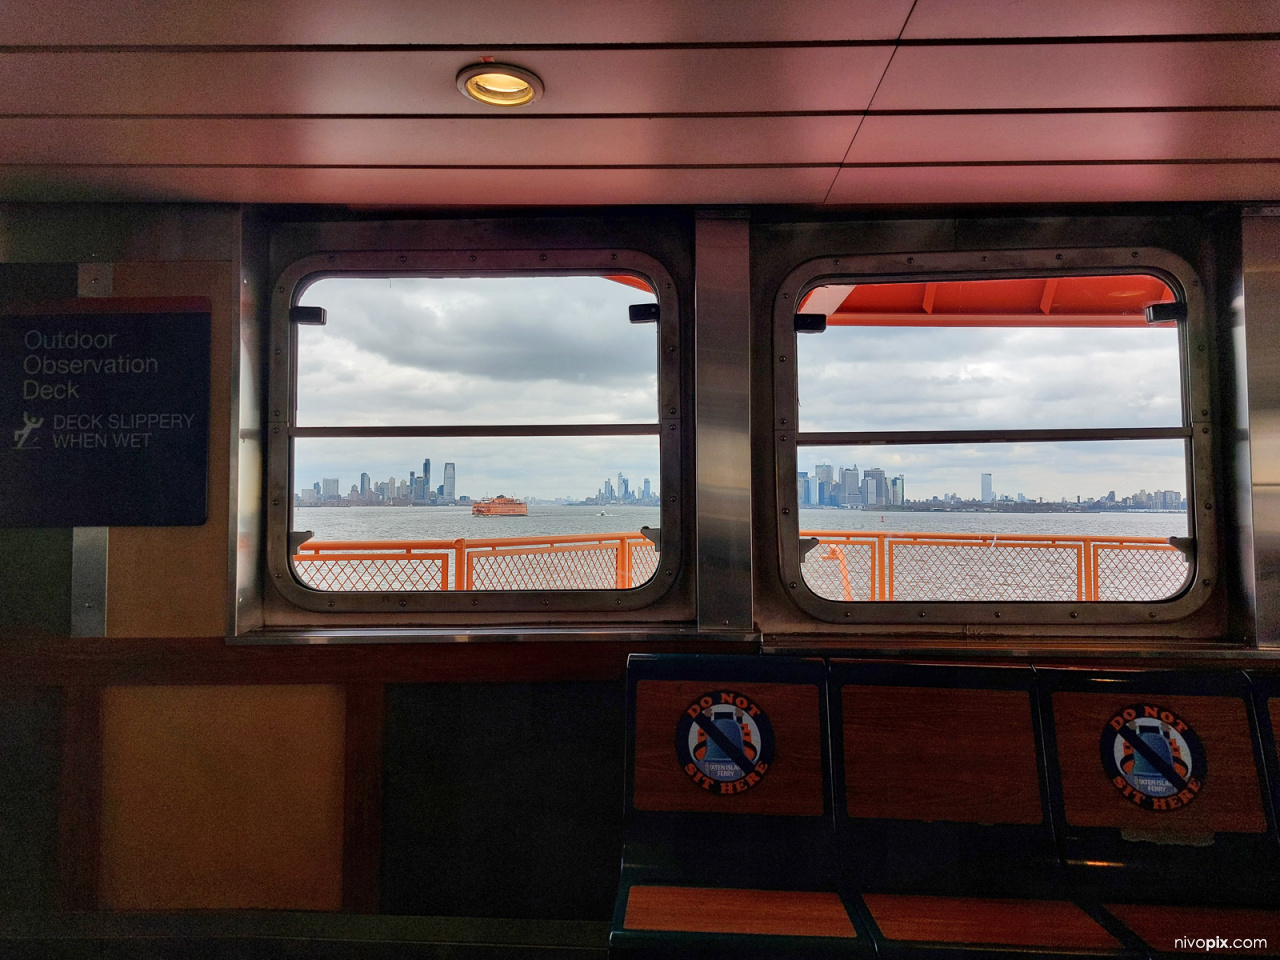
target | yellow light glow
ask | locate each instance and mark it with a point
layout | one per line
(500, 85)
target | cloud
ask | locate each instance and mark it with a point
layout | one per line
(476, 350)
(873, 378)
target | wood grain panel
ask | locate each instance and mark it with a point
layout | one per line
(1083, 183)
(404, 187)
(917, 753)
(986, 137)
(172, 581)
(1087, 18)
(222, 798)
(1160, 926)
(1229, 800)
(786, 913)
(1056, 75)
(416, 141)
(793, 785)
(1006, 923)
(396, 22)
(376, 82)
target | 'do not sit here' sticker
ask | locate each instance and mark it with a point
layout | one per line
(724, 742)
(1153, 757)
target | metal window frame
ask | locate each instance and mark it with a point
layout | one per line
(1197, 429)
(470, 605)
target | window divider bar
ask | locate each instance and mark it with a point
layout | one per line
(845, 438)
(488, 430)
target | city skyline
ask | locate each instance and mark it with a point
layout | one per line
(849, 487)
(417, 489)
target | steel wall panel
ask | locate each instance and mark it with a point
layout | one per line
(642, 81)
(1066, 75)
(1261, 238)
(1084, 18)
(400, 22)
(959, 138)
(462, 141)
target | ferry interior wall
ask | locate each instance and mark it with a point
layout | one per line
(888, 399)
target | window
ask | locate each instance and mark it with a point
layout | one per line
(478, 439)
(992, 445)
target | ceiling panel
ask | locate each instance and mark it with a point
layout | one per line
(577, 81)
(951, 138)
(445, 22)
(1029, 76)
(455, 140)
(561, 187)
(1091, 183)
(1088, 18)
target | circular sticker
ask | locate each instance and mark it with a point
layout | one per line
(724, 742)
(1153, 757)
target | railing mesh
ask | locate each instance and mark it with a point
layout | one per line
(375, 574)
(1139, 573)
(564, 568)
(953, 571)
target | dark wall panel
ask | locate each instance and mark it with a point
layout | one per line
(29, 759)
(503, 800)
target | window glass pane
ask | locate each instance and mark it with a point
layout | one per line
(1036, 521)
(477, 350)
(570, 516)
(989, 356)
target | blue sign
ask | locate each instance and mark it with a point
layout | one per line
(104, 417)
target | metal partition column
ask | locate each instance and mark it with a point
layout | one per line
(1262, 337)
(722, 309)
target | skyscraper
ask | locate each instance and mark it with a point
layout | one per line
(988, 496)
(875, 488)
(898, 490)
(426, 476)
(850, 491)
(646, 488)
(450, 482)
(825, 472)
(364, 486)
(329, 488)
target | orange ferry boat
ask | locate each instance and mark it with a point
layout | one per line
(500, 506)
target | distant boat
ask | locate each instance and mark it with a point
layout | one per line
(500, 506)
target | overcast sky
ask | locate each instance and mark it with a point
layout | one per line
(935, 378)
(561, 350)
(547, 350)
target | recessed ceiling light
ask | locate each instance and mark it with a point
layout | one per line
(499, 84)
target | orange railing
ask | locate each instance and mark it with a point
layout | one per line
(579, 562)
(857, 565)
(987, 566)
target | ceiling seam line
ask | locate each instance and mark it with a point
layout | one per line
(1042, 40)
(826, 197)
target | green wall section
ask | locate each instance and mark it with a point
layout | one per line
(503, 800)
(35, 580)
(29, 758)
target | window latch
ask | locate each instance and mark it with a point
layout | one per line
(644, 312)
(297, 538)
(1166, 312)
(811, 322)
(1185, 546)
(807, 544)
(654, 536)
(312, 316)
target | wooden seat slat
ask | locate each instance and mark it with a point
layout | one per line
(789, 913)
(1056, 924)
